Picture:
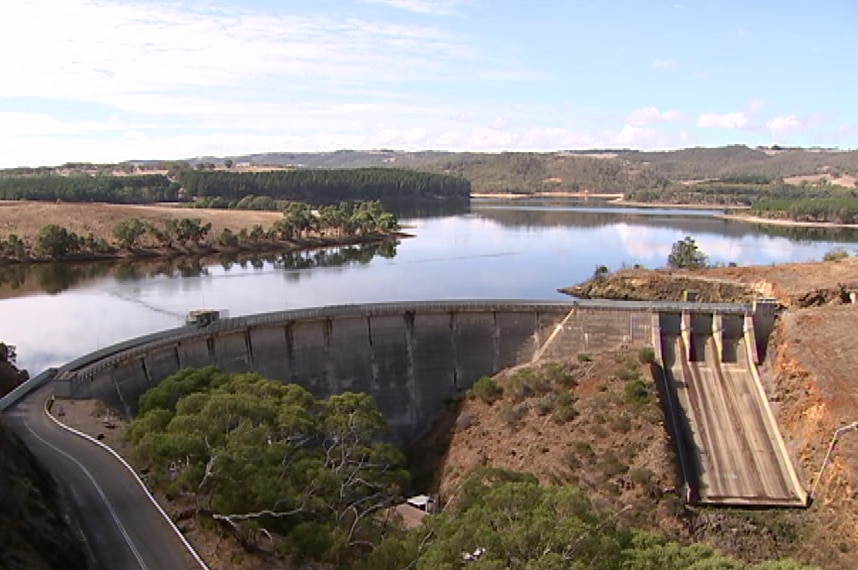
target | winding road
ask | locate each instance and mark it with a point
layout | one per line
(124, 529)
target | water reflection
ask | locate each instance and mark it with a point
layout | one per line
(54, 313)
(410, 209)
(54, 278)
(692, 222)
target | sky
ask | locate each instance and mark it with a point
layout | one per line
(114, 80)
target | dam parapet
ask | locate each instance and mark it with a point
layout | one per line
(412, 357)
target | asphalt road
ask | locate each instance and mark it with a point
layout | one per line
(122, 526)
(738, 458)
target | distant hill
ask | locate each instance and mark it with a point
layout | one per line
(595, 170)
(734, 174)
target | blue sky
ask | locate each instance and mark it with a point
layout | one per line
(112, 80)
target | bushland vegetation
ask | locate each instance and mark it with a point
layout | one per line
(504, 519)
(839, 210)
(282, 470)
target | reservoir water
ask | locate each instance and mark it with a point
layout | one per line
(496, 250)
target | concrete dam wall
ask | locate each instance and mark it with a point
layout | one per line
(412, 357)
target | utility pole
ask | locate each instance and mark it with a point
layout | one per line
(834, 439)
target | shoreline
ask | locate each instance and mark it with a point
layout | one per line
(782, 222)
(514, 196)
(736, 215)
(153, 254)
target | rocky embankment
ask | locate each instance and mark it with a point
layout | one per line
(649, 285)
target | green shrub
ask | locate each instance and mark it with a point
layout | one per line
(561, 375)
(526, 383)
(646, 355)
(637, 392)
(584, 357)
(487, 389)
(838, 254)
(564, 408)
(514, 413)
(641, 476)
(629, 374)
(545, 405)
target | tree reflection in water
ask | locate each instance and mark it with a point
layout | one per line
(54, 278)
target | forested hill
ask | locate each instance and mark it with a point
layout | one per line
(726, 175)
(325, 186)
(740, 161)
(609, 170)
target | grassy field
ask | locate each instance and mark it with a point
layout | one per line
(26, 218)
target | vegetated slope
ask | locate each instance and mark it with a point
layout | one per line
(10, 376)
(35, 529)
(595, 422)
(739, 160)
(594, 171)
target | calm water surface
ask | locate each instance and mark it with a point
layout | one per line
(499, 249)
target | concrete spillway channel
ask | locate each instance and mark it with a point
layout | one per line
(733, 452)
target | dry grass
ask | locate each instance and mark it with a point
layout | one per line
(27, 218)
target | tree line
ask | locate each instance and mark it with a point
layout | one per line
(838, 210)
(325, 186)
(137, 189)
(299, 222)
(722, 193)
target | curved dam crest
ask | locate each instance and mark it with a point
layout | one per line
(411, 357)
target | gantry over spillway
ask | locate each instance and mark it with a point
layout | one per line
(414, 357)
(730, 446)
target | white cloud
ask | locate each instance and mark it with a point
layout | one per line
(501, 122)
(785, 124)
(438, 7)
(651, 116)
(734, 120)
(668, 63)
(756, 106)
(630, 135)
(117, 53)
(490, 139)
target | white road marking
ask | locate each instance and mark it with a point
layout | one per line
(92, 480)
